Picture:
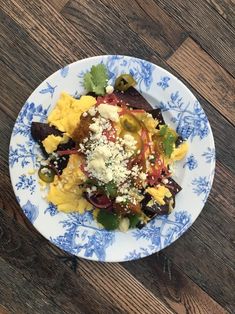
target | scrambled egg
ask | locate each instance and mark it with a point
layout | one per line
(51, 142)
(68, 110)
(158, 193)
(65, 191)
(180, 152)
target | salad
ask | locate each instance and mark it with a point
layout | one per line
(110, 152)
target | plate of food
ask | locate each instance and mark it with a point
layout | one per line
(112, 158)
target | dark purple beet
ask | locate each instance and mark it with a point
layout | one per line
(179, 141)
(99, 200)
(157, 114)
(40, 131)
(173, 186)
(133, 98)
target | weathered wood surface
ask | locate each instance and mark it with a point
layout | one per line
(196, 273)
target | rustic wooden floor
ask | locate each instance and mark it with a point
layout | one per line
(195, 40)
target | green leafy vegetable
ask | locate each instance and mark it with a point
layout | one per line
(96, 80)
(163, 130)
(168, 140)
(168, 143)
(108, 219)
(134, 220)
(111, 189)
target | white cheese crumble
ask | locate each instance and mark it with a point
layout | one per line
(92, 111)
(109, 89)
(109, 112)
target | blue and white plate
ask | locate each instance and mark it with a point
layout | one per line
(79, 234)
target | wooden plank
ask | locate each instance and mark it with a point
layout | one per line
(57, 4)
(143, 19)
(226, 8)
(207, 27)
(27, 298)
(215, 226)
(206, 76)
(62, 42)
(158, 274)
(126, 286)
(111, 288)
(204, 267)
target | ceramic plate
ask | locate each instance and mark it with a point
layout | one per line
(79, 234)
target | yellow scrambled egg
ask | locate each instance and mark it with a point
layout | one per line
(51, 142)
(158, 193)
(66, 114)
(65, 191)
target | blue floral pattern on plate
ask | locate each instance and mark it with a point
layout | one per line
(80, 234)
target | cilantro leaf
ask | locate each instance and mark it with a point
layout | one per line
(163, 130)
(96, 80)
(168, 140)
(168, 143)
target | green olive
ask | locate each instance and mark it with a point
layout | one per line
(130, 123)
(137, 138)
(46, 174)
(123, 82)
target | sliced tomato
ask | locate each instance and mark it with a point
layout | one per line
(110, 99)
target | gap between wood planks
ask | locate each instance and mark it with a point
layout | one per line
(206, 76)
(215, 35)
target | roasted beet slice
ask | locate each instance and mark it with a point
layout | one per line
(173, 186)
(157, 114)
(179, 141)
(99, 200)
(157, 210)
(131, 97)
(40, 131)
(61, 162)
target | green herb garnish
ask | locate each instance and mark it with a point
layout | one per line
(168, 140)
(108, 219)
(95, 81)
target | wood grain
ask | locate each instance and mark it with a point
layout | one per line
(141, 19)
(177, 290)
(61, 42)
(57, 4)
(206, 76)
(204, 267)
(207, 27)
(13, 286)
(226, 8)
(83, 17)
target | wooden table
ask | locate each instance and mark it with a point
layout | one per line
(195, 41)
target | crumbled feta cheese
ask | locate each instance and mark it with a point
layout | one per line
(143, 176)
(109, 112)
(85, 114)
(165, 181)
(109, 89)
(92, 111)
